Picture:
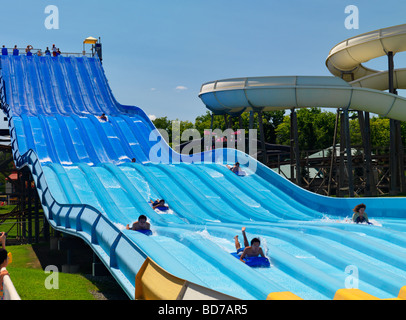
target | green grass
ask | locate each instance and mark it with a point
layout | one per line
(29, 279)
(30, 285)
(7, 208)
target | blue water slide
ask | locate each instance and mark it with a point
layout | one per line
(89, 188)
(72, 86)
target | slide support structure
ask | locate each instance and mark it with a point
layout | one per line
(397, 180)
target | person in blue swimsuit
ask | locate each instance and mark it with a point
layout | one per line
(141, 224)
(160, 204)
(16, 52)
(103, 117)
(236, 168)
(253, 250)
(28, 50)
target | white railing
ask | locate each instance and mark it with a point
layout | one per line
(65, 54)
(10, 292)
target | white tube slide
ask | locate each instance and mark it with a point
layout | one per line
(364, 92)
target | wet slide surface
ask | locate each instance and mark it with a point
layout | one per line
(89, 188)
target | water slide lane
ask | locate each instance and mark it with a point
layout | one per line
(48, 84)
(182, 205)
(136, 129)
(246, 208)
(211, 206)
(21, 136)
(91, 137)
(129, 141)
(72, 86)
(58, 152)
(21, 81)
(33, 88)
(35, 137)
(73, 147)
(104, 139)
(64, 100)
(261, 196)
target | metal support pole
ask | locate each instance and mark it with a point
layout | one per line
(345, 138)
(370, 189)
(349, 155)
(262, 137)
(333, 155)
(295, 146)
(29, 206)
(397, 179)
(251, 119)
(341, 170)
(390, 72)
(36, 217)
(22, 204)
(225, 122)
(292, 151)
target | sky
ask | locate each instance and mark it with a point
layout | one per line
(158, 53)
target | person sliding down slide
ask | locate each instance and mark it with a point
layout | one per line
(159, 204)
(250, 254)
(141, 226)
(236, 169)
(360, 215)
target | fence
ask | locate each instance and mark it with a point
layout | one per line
(320, 173)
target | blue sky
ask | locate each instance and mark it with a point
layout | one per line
(157, 53)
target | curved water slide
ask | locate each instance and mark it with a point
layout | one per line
(363, 92)
(347, 57)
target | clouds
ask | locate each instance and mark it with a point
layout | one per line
(181, 88)
(178, 88)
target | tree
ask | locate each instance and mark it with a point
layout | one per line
(169, 126)
(270, 119)
(165, 124)
(315, 129)
(380, 132)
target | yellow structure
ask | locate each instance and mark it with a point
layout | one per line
(154, 283)
(286, 295)
(88, 40)
(356, 294)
